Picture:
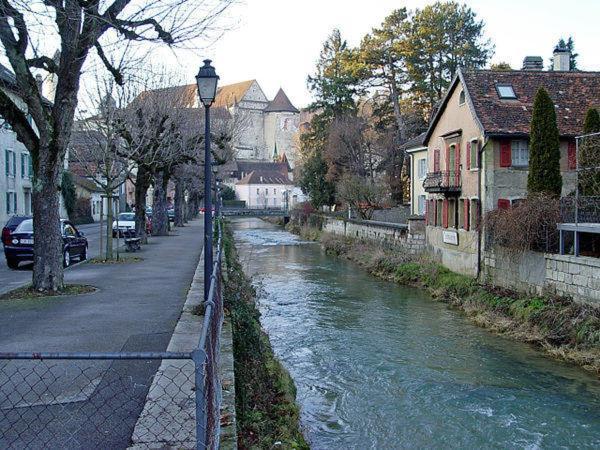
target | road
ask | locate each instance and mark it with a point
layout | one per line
(94, 404)
(11, 279)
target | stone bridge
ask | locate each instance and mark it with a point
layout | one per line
(255, 212)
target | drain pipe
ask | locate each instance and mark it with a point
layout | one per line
(480, 205)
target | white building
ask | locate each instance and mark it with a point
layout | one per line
(265, 190)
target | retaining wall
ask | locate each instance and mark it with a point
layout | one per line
(409, 237)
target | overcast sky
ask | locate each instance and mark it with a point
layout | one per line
(277, 42)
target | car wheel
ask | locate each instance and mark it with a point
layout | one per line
(84, 254)
(12, 263)
(67, 258)
(114, 234)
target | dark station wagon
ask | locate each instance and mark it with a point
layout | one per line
(20, 245)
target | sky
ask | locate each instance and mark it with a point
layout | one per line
(277, 42)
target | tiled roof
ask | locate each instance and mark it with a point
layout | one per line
(281, 103)
(573, 94)
(247, 166)
(229, 94)
(264, 177)
(86, 183)
(416, 142)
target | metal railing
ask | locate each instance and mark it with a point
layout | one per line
(114, 399)
(443, 181)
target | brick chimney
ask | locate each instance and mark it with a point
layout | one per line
(562, 59)
(533, 63)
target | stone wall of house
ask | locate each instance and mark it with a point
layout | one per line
(537, 273)
(410, 237)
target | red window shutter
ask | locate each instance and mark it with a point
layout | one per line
(436, 160)
(468, 155)
(503, 203)
(426, 212)
(445, 213)
(572, 156)
(466, 216)
(505, 154)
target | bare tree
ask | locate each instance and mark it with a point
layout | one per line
(28, 28)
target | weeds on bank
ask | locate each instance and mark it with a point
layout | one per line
(565, 328)
(267, 414)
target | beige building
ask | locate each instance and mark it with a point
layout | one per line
(417, 153)
(264, 190)
(478, 149)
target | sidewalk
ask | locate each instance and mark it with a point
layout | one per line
(136, 308)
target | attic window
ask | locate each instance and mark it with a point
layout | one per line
(461, 98)
(505, 91)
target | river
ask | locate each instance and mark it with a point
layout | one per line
(383, 366)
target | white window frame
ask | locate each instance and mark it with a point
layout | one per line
(11, 163)
(473, 162)
(519, 153)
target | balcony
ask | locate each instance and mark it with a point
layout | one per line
(444, 181)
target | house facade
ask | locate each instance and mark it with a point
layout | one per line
(417, 153)
(16, 176)
(262, 189)
(478, 150)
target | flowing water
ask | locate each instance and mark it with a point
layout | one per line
(383, 366)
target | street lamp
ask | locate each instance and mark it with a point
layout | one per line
(207, 80)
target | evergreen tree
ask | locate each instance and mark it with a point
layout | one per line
(313, 181)
(592, 121)
(443, 37)
(544, 149)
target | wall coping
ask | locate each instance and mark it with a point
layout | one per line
(376, 223)
(581, 260)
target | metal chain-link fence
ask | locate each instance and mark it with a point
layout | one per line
(116, 400)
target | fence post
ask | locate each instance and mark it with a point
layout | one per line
(199, 358)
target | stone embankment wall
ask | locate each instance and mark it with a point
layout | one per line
(536, 273)
(410, 237)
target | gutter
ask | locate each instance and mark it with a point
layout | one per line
(480, 212)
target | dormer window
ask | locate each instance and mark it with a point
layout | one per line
(461, 98)
(505, 91)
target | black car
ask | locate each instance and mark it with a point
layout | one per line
(20, 247)
(10, 226)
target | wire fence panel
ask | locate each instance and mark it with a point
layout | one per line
(86, 404)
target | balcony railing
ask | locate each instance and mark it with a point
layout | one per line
(443, 181)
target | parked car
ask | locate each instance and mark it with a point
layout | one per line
(171, 214)
(20, 247)
(10, 226)
(126, 224)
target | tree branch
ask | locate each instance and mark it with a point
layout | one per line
(116, 73)
(43, 62)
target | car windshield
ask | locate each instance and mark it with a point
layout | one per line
(25, 227)
(124, 217)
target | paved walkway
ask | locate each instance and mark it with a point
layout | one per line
(136, 309)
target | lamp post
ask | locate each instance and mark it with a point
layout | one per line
(207, 80)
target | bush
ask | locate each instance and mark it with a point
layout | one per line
(82, 212)
(530, 225)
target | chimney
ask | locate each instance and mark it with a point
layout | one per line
(533, 63)
(562, 60)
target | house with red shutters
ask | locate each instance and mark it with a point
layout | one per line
(478, 149)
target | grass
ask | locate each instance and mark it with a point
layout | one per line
(266, 410)
(28, 293)
(122, 260)
(564, 328)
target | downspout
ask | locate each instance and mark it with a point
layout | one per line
(480, 208)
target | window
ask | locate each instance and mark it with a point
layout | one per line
(452, 214)
(422, 168)
(473, 154)
(69, 230)
(520, 153)
(505, 91)
(461, 98)
(266, 191)
(421, 205)
(10, 163)
(27, 201)
(439, 211)
(436, 160)
(25, 166)
(11, 203)
(257, 191)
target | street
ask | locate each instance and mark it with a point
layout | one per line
(12, 279)
(136, 308)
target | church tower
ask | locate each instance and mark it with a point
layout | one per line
(281, 120)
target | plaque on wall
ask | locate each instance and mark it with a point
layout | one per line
(450, 237)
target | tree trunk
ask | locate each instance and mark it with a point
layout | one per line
(160, 220)
(142, 183)
(48, 243)
(109, 221)
(179, 203)
(395, 174)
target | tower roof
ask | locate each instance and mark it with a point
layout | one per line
(281, 103)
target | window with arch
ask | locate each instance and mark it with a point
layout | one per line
(461, 98)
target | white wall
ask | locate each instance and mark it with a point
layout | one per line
(263, 195)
